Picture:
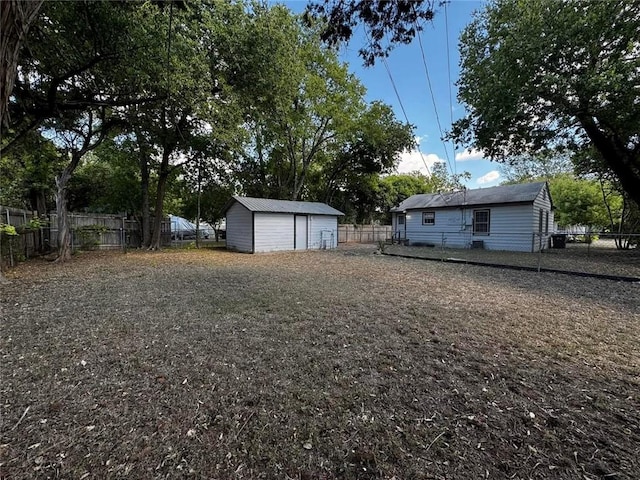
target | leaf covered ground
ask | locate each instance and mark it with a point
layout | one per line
(342, 364)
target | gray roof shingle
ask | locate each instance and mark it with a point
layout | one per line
(267, 205)
(520, 193)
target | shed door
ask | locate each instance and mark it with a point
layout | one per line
(301, 232)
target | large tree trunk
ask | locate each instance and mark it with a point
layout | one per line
(163, 176)
(64, 231)
(143, 160)
(146, 215)
(623, 161)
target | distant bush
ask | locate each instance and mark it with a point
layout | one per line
(89, 236)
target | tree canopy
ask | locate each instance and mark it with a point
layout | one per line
(396, 20)
(195, 101)
(548, 75)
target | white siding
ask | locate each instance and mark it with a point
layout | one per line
(273, 232)
(449, 227)
(239, 228)
(302, 232)
(542, 203)
(510, 227)
(398, 230)
(323, 231)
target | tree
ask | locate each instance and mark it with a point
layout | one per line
(396, 19)
(299, 101)
(579, 202)
(16, 17)
(530, 168)
(27, 174)
(312, 132)
(372, 146)
(106, 181)
(198, 113)
(77, 136)
(625, 219)
(78, 59)
(543, 75)
(394, 189)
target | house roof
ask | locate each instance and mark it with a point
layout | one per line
(520, 193)
(267, 205)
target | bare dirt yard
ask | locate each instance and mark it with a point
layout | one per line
(342, 364)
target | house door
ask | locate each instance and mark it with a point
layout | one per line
(401, 228)
(301, 232)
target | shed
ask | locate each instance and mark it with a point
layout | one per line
(507, 217)
(265, 225)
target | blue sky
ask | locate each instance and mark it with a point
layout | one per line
(408, 72)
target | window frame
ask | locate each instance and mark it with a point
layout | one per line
(401, 219)
(487, 223)
(433, 218)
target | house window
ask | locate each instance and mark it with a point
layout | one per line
(428, 218)
(481, 220)
(400, 219)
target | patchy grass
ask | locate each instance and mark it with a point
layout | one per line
(338, 364)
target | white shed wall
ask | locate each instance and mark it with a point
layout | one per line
(323, 228)
(273, 232)
(239, 228)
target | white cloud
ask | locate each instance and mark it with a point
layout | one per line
(411, 161)
(490, 177)
(468, 155)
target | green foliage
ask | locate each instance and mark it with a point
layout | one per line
(580, 202)
(89, 235)
(107, 181)
(312, 132)
(531, 168)
(27, 174)
(33, 225)
(8, 230)
(538, 76)
(395, 21)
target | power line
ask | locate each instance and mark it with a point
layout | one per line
(446, 27)
(393, 84)
(433, 98)
(404, 112)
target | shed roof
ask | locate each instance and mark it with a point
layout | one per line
(267, 205)
(520, 193)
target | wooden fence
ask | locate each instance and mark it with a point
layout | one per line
(88, 231)
(349, 233)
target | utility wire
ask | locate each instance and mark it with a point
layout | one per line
(433, 98)
(446, 28)
(395, 89)
(393, 84)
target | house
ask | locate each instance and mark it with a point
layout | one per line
(264, 225)
(508, 217)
